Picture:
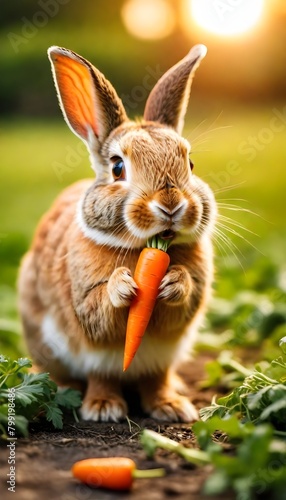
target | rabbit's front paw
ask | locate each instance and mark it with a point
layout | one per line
(176, 286)
(161, 401)
(178, 409)
(121, 287)
(110, 409)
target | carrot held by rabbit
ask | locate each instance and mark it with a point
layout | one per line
(151, 267)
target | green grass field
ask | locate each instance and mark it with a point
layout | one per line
(38, 159)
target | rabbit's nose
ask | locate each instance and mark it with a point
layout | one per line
(169, 185)
(169, 213)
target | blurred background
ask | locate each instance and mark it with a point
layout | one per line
(236, 120)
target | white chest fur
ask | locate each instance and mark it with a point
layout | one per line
(153, 355)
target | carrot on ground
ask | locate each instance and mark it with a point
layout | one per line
(151, 267)
(114, 473)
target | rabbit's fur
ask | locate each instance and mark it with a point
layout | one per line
(76, 283)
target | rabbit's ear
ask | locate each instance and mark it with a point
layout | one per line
(168, 101)
(88, 101)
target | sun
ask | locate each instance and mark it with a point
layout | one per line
(226, 17)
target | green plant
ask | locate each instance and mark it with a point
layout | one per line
(31, 396)
(255, 464)
(242, 435)
(252, 463)
(260, 398)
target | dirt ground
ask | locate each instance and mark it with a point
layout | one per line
(43, 461)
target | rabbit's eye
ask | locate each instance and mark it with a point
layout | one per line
(118, 168)
(191, 164)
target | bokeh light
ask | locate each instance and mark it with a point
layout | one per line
(225, 17)
(148, 19)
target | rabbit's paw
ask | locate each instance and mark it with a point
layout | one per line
(177, 409)
(121, 287)
(176, 286)
(110, 409)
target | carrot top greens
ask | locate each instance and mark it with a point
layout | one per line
(158, 242)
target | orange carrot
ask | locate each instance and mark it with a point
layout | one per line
(151, 267)
(114, 473)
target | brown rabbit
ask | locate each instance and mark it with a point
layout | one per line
(76, 281)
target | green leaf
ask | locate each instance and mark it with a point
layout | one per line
(55, 415)
(217, 483)
(232, 402)
(230, 425)
(68, 398)
(255, 400)
(30, 389)
(10, 370)
(214, 371)
(214, 410)
(273, 410)
(282, 345)
(243, 486)
(24, 363)
(254, 450)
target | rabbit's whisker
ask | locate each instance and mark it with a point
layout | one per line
(233, 248)
(230, 221)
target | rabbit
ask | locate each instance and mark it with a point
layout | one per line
(76, 281)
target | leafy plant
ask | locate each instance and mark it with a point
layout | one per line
(35, 396)
(242, 435)
(224, 371)
(260, 398)
(248, 310)
(246, 468)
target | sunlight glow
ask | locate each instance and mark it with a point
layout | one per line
(226, 17)
(148, 19)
